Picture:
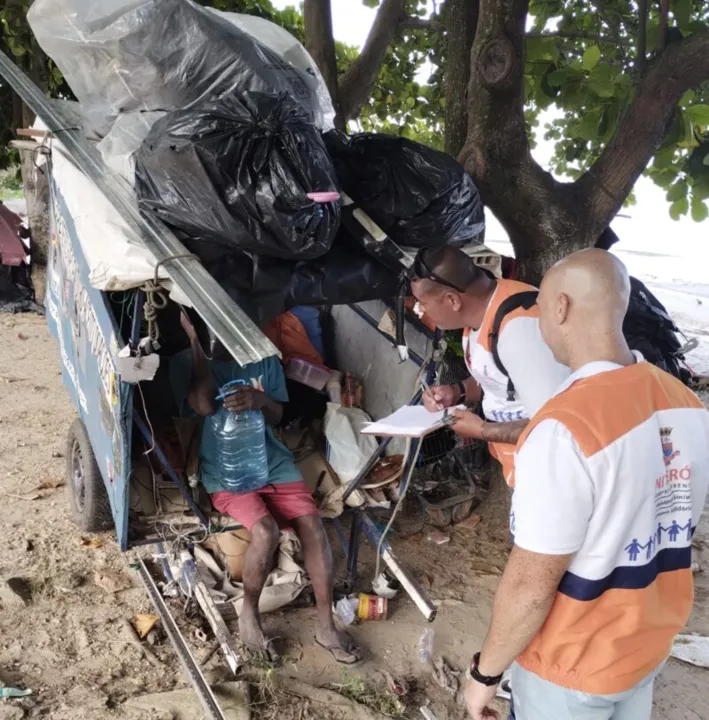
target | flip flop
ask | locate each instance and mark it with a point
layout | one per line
(350, 655)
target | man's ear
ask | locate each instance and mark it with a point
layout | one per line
(455, 301)
(562, 309)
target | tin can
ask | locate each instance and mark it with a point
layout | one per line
(372, 607)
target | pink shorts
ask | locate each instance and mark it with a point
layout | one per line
(284, 502)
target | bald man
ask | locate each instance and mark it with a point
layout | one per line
(611, 476)
(456, 294)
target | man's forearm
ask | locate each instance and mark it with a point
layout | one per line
(272, 410)
(203, 390)
(522, 603)
(504, 432)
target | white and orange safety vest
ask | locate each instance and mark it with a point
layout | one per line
(526, 357)
(614, 470)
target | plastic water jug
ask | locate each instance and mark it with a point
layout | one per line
(240, 445)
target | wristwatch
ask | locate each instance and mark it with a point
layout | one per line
(476, 675)
(463, 392)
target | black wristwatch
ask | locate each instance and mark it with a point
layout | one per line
(463, 392)
(479, 677)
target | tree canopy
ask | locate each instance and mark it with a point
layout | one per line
(618, 86)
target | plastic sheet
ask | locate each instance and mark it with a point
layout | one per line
(125, 55)
(237, 174)
(420, 197)
(119, 147)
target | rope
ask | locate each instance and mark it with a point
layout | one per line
(155, 300)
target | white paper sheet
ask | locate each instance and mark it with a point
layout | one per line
(407, 421)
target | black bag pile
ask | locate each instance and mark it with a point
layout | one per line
(419, 196)
(236, 174)
(131, 55)
(650, 330)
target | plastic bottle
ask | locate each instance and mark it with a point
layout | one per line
(346, 610)
(425, 649)
(240, 445)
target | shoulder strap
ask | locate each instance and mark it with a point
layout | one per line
(525, 300)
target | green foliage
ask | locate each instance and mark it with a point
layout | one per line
(588, 74)
(581, 71)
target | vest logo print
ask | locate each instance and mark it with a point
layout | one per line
(668, 451)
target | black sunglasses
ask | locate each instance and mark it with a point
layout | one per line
(420, 270)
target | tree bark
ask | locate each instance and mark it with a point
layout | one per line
(320, 43)
(547, 219)
(357, 83)
(541, 215)
(36, 189)
(461, 21)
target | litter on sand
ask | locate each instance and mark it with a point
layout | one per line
(692, 649)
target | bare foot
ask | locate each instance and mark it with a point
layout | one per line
(252, 636)
(339, 643)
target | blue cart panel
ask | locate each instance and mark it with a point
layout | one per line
(80, 318)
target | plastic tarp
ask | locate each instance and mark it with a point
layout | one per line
(126, 55)
(242, 173)
(419, 196)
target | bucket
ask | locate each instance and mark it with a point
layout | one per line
(372, 607)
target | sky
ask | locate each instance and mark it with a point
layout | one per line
(648, 228)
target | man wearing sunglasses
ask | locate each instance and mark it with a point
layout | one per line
(511, 367)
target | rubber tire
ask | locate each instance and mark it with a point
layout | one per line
(94, 513)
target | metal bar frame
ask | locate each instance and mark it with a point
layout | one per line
(236, 331)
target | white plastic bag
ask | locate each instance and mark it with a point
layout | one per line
(348, 450)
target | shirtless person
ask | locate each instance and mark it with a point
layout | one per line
(456, 294)
(285, 502)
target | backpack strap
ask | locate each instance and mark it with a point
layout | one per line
(525, 300)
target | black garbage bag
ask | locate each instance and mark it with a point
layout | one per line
(649, 329)
(237, 173)
(16, 290)
(127, 55)
(264, 287)
(419, 196)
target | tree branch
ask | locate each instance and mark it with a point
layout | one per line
(642, 35)
(580, 36)
(462, 19)
(662, 35)
(320, 43)
(608, 182)
(356, 84)
(417, 23)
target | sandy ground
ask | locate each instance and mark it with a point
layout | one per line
(67, 642)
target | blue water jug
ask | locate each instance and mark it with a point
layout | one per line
(240, 445)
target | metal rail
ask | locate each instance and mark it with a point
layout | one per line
(236, 331)
(194, 674)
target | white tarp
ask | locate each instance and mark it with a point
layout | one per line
(116, 258)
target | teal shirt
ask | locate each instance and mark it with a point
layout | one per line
(266, 375)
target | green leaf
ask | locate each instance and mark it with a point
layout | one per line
(698, 114)
(677, 192)
(682, 10)
(700, 212)
(679, 208)
(591, 57)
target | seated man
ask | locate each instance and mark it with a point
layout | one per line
(285, 502)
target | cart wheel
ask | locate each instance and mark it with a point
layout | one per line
(88, 498)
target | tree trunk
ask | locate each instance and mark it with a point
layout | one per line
(36, 188)
(547, 219)
(461, 21)
(320, 43)
(356, 84)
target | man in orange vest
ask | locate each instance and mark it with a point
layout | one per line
(611, 477)
(510, 365)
